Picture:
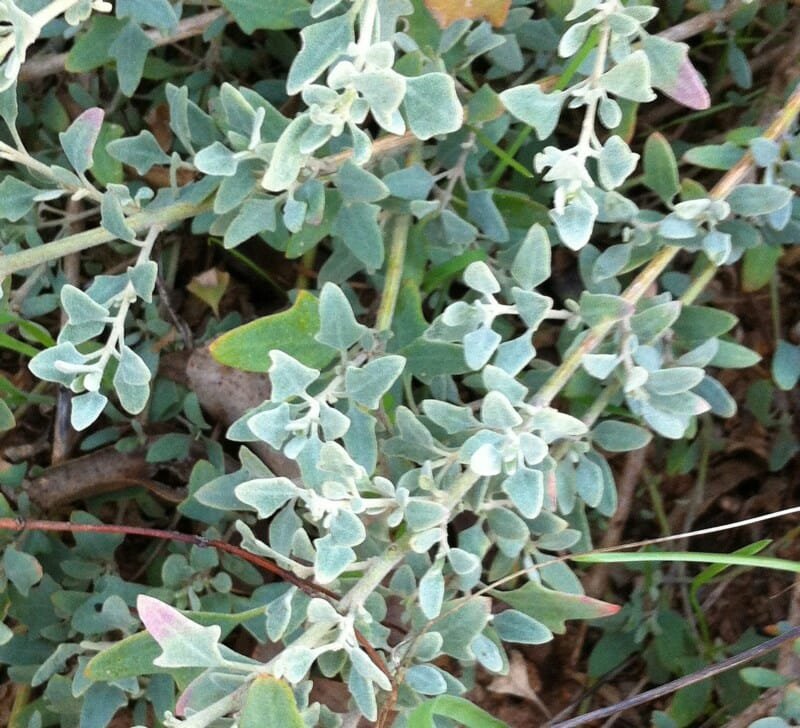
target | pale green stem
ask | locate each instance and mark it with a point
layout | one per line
(162, 217)
(366, 32)
(377, 571)
(42, 18)
(775, 305)
(640, 285)
(584, 147)
(601, 402)
(20, 156)
(394, 272)
(699, 283)
(129, 296)
(382, 565)
(397, 257)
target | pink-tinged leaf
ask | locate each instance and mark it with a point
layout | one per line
(78, 141)
(551, 490)
(185, 699)
(553, 608)
(161, 620)
(184, 643)
(688, 88)
(600, 608)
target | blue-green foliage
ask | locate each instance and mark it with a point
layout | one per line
(441, 406)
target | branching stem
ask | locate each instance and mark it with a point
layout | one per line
(660, 261)
(161, 217)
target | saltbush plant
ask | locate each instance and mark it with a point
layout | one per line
(447, 404)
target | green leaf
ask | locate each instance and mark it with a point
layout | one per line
(133, 656)
(130, 49)
(754, 199)
(183, 643)
(675, 380)
(216, 159)
(292, 331)
(531, 265)
(21, 569)
(45, 365)
(131, 381)
(738, 65)
(106, 169)
(112, 218)
(358, 185)
(338, 326)
(432, 106)
(534, 107)
(460, 623)
(172, 446)
(252, 15)
(786, 365)
(16, 198)
(409, 183)
(7, 421)
(254, 217)
(484, 106)
(430, 358)
(731, 355)
(458, 709)
(266, 495)
(86, 408)
(660, 167)
(79, 307)
(431, 591)
(759, 265)
(762, 677)
(158, 13)
(289, 377)
(602, 308)
(514, 626)
(331, 559)
(90, 50)
(482, 210)
(553, 608)
(615, 436)
(426, 679)
(526, 490)
(140, 152)
(78, 141)
(323, 43)
(439, 276)
(367, 384)
(615, 163)
(287, 159)
(666, 57)
(714, 156)
(269, 696)
(649, 324)
(630, 79)
(698, 323)
(357, 226)
(575, 222)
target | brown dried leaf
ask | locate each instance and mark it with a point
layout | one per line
(447, 12)
(522, 680)
(227, 394)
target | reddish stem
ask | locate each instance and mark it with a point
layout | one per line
(306, 585)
